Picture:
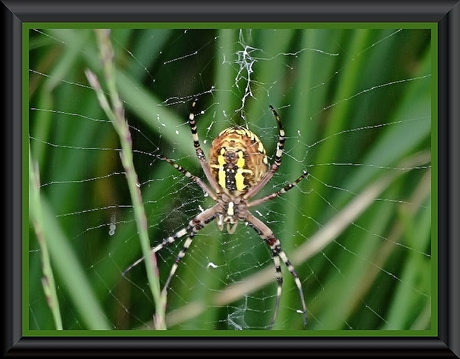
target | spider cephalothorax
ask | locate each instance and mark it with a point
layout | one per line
(236, 171)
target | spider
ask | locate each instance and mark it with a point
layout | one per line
(237, 170)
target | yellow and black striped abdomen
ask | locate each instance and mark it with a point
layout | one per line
(237, 159)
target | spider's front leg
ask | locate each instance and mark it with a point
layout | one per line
(277, 252)
(196, 224)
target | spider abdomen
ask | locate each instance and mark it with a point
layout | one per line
(237, 160)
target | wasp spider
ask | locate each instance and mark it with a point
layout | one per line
(237, 170)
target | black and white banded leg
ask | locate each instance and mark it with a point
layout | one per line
(277, 252)
(193, 227)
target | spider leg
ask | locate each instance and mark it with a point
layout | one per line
(193, 227)
(187, 174)
(199, 151)
(280, 192)
(277, 252)
(278, 158)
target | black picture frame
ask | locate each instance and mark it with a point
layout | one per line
(445, 13)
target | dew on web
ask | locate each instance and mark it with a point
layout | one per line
(356, 109)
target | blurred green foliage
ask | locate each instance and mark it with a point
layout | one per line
(356, 105)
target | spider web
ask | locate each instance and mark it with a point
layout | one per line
(356, 107)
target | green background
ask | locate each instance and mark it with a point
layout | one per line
(363, 106)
